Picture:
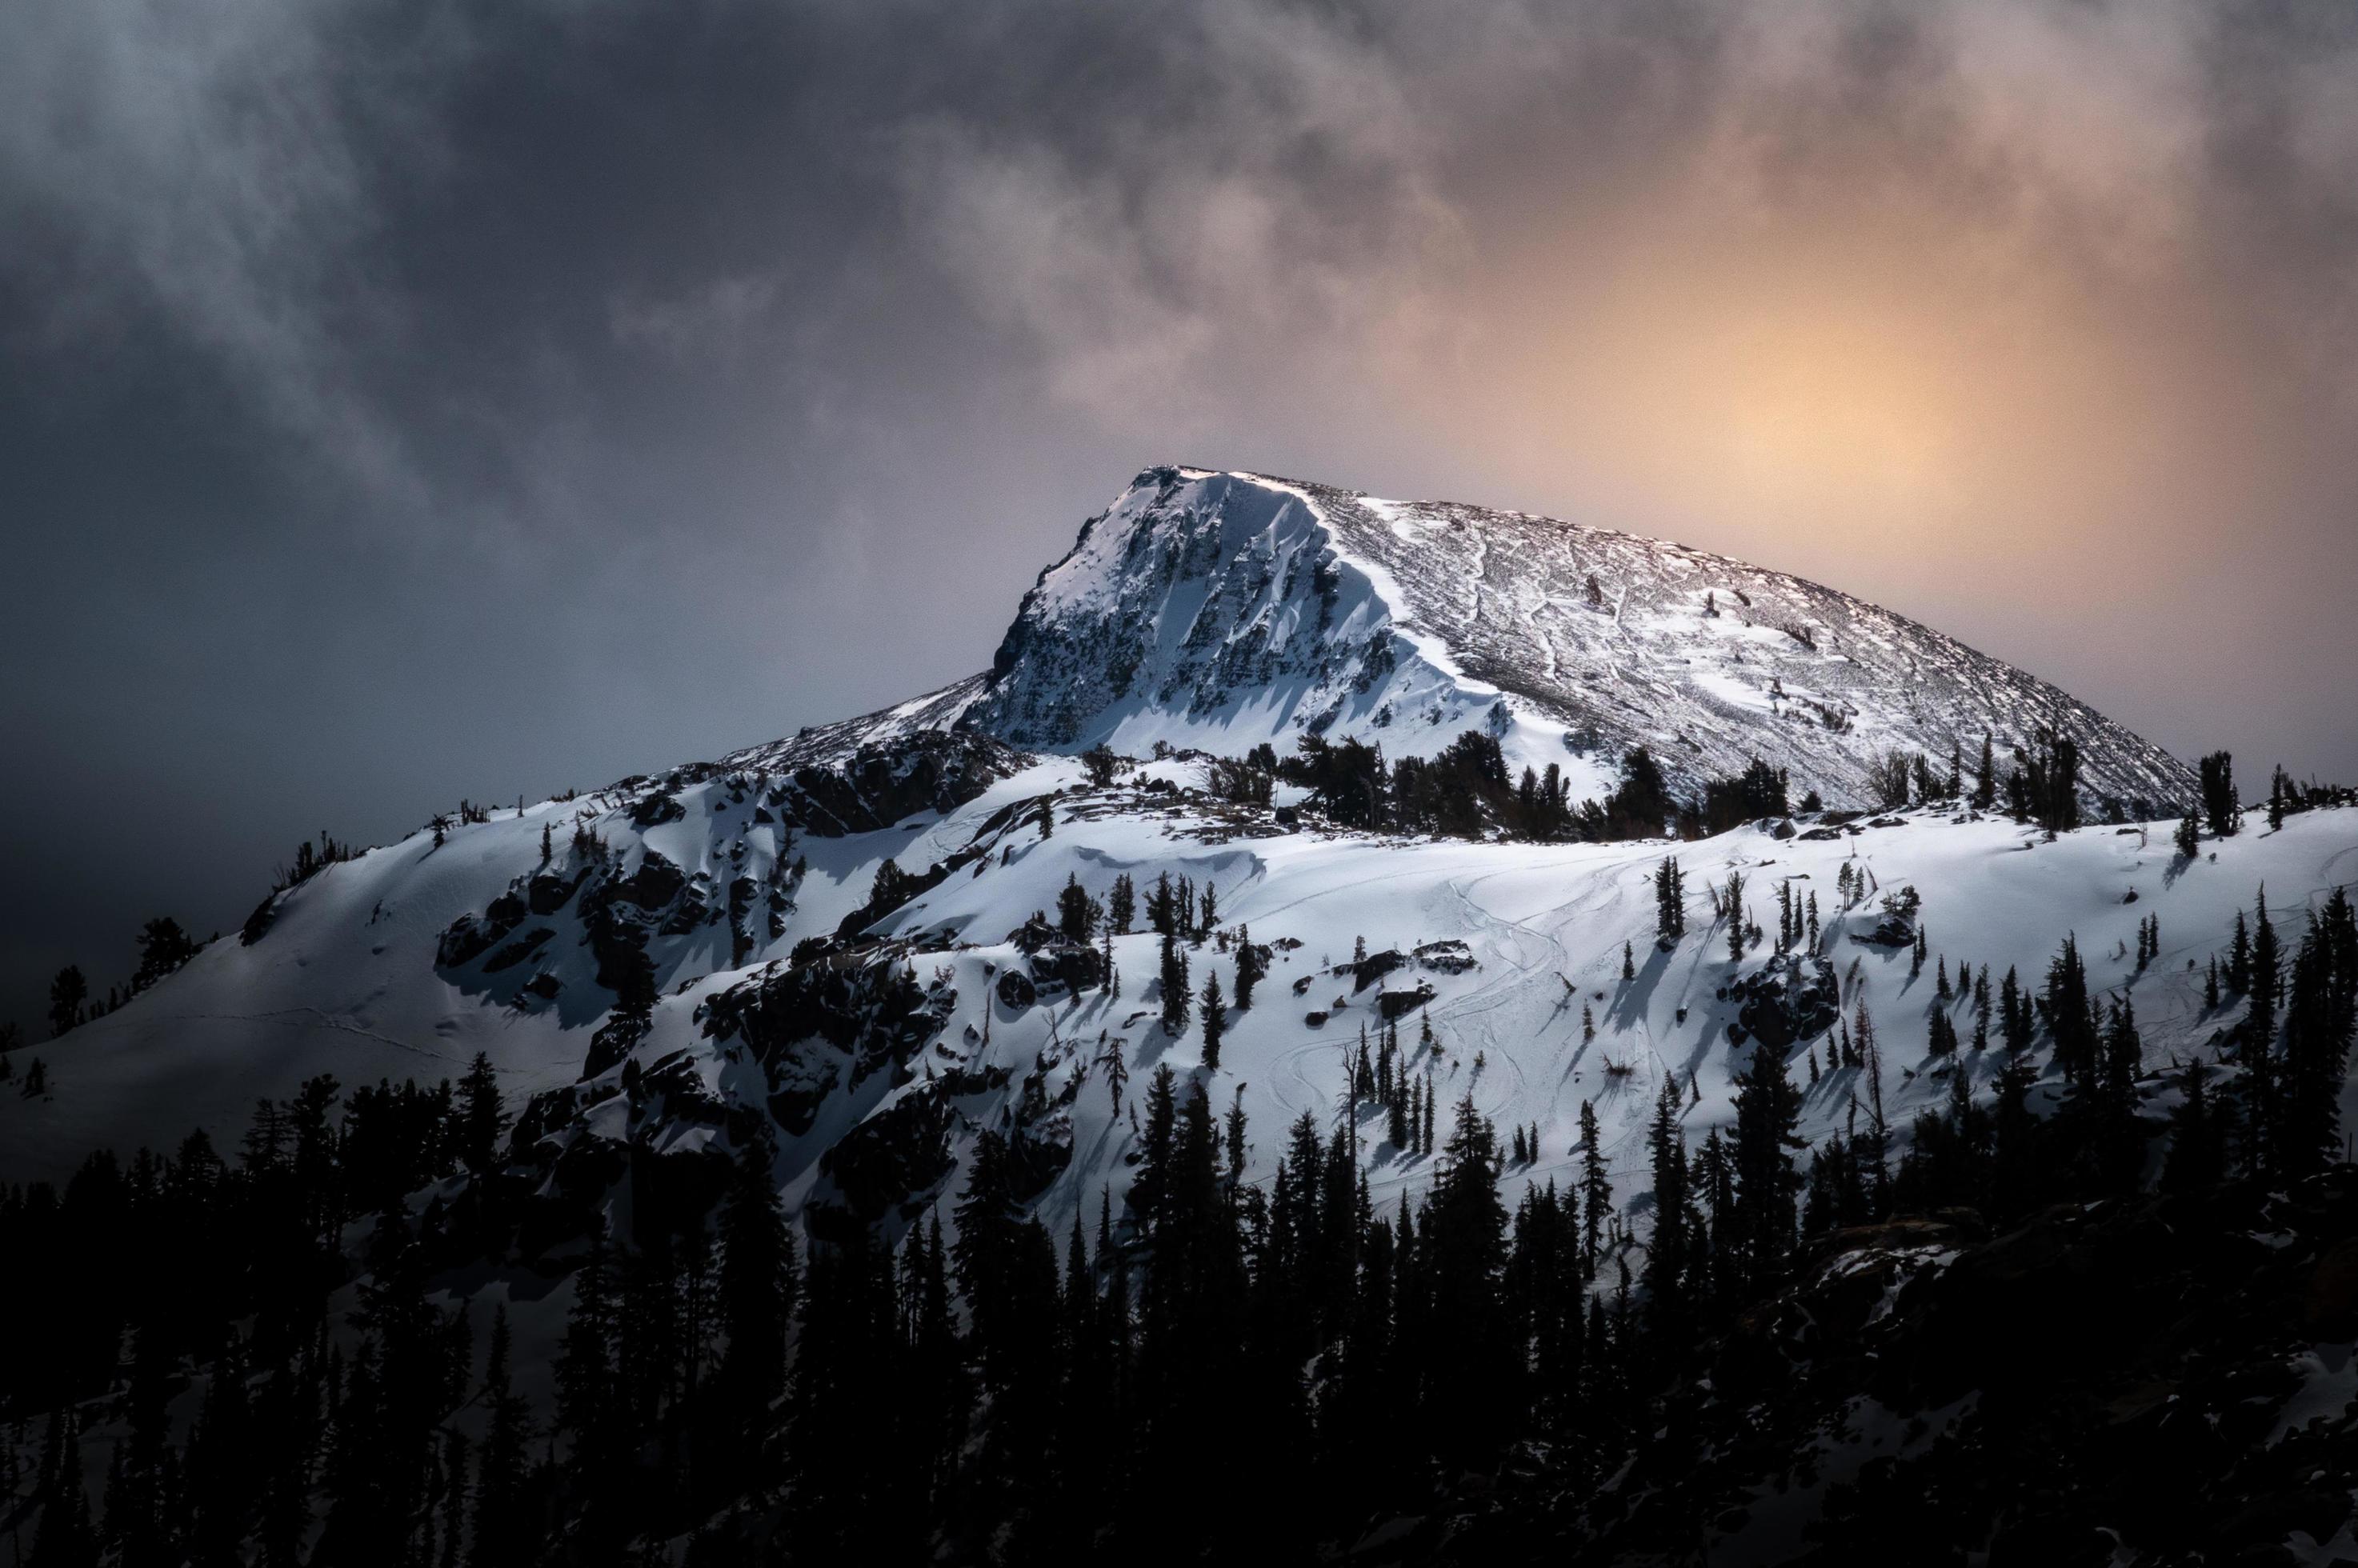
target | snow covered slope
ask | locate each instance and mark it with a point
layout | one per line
(1211, 610)
(881, 1067)
(1513, 942)
(406, 961)
(1218, 609)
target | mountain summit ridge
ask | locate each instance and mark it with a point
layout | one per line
(1220, 609)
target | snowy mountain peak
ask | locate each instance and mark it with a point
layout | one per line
(1220, 610)
(1210, 610)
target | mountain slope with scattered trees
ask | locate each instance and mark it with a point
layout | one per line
(933, 1138)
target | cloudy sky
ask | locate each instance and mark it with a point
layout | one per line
(408, 401)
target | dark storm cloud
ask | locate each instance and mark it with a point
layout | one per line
(402, 402)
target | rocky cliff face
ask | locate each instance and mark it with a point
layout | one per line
(1220, 610)
(1217, 611)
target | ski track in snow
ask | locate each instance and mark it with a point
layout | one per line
(298, 1017)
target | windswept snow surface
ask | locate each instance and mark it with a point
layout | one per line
(1219, 609)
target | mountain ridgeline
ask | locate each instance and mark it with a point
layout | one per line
(1223, 610)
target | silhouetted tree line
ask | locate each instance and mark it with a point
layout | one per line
(1465, 791)
(1214, 1367)
(156, 1270)
(164, 948)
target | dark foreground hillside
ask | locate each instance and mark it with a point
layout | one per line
(2003, 1347)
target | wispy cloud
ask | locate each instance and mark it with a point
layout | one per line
(217, 167)
(749, 356)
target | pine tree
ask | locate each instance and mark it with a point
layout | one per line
(1237, 1147)
(1215, 1019)
(1876, 1142)
(1628, 963)
(585, 1362)
(1734, 898)
(1252, 964)
(1121, 905)
(757, 1280)
(1596, 1189)
(988, 1258)
(2219, 802)
(2266, 958)
(1156, 1145)
(502, 1533)
(2123, 1151)
(1587, 1025)
(1669, 903)
(2190, 836)
(2015, 1018)
(1176, 998)
(2071, 1015)
(67, 991)
(1475, 1362)
(1768, 1109)
(480, 1118)
(2320, 1010)
(1667, 1259)
(1077, 911)
(2255, 1046)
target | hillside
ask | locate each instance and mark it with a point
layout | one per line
(905, 985)
(1202, 610)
